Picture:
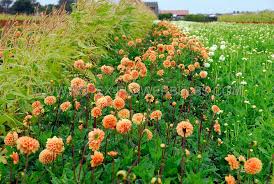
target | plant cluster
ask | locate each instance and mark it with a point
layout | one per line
(150, 116)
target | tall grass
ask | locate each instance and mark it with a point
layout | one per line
(38, 54)
(261, 17)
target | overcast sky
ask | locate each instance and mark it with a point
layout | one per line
(207, 6)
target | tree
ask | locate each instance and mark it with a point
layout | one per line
(5, 4)
(23, 6)
(165, 16)
(67, 3)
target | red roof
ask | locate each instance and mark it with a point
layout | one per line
(175, 12)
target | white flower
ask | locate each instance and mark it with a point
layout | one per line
(222, 58)
(253, 106)
(222, 42)
(213, 48)
(243, 83)
(260, 110)
(272, 56)
(246, 102)
(210, 60)
(211, 53)
(264, 70)
(222, 47)
(207, 65)
(239, 74)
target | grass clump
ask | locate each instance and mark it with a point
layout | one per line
(36, 54)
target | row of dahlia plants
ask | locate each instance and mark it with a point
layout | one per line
(151, 116)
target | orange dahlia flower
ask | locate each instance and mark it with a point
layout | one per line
(253, 166)
(55, 145)
(184, 129)
(27, 145)
(109, 121)
(232, 161)
(96, 159)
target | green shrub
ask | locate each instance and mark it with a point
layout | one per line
(199, 18)
(165, 16)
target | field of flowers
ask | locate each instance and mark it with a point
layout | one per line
(187, 103)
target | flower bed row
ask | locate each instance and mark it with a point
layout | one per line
(150, 116)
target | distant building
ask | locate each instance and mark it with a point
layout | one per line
(175, 13)
(153, 6)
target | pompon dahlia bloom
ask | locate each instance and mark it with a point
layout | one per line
(79, 64)
(149, 98)
(203, 74)
(197, 65)
(118, 103)
(207, 89)
(122, 93)
(184, 129)
(96, 112)
(156, 115)
(109, 101)
(130, 43)
(50, 100)
(230, 179)
(217, 127)
(37, 111)
(108, 70)
(161, 47)
(27, 145)
(134, 87)
(96, 136)
(46, 156)
(36, 104)
(167, 64)
(96, 159)
(160, 73)
(124, 114)
(138, 118)
(98, 96)
(55, 145)
(77, 105)
(184, 93)
(253, 166)
(123, 126)
(65, 106)
(15, 157)
(134, 74)
(138, 40)
(91, 88)
(232, 161)
(102, 102)
(148, 133)
(77, 84)
(191, 67)
(126, 77)
(109, 122)
(11, 138)
(215, 109)
(112, 153)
